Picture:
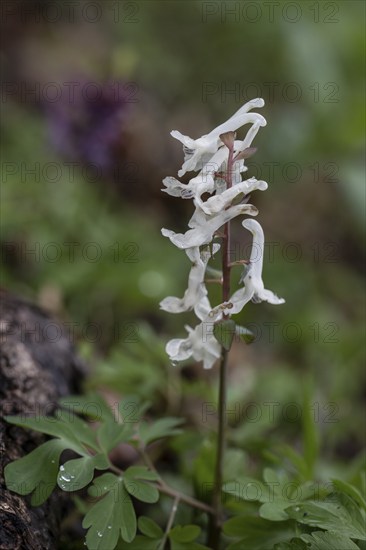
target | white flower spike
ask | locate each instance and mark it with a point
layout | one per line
(210, 155)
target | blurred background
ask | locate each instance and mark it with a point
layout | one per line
(90, 92)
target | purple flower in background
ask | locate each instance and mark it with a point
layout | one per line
(86, 123)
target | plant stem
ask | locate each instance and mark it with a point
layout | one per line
(170, 522)
(164, 488)
(169, 491)
(216, 520)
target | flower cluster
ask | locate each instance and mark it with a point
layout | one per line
(209, 156)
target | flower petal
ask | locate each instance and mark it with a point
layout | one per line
(179, 349)
(203, 234)
(173, 187)
(216, 203)
(270, 297)
(195, 149)
(196, 290)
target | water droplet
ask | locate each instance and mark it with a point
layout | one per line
(52, 461)
(104, 488)
(62, 468)
(109, 527)
(297, 509)
(100, 534)
(65, 478)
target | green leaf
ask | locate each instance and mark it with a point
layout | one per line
(141, 472)
(203, 470)
(163, 427)
(187, 533)
(111, 517)
(328, 541)
(246, 488)
(294, 544)
(139, 489)
(79, 472)
(245, 334)
(257, 533)
(183, 538)
(339, 514)
(142, 491)
(350, 490)
(235, 462)
(224, 332)
(75, 433)
(140, 542)
(274, 511)
(271, 477)
(296, 458)
(110, 434)
(131, 410)
(91, 405)
(149, 528)
(102, 485)
(36, 472)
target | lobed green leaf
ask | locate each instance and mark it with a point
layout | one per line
(164, 427)
(36, 472)
(111, 517)
(79, 472)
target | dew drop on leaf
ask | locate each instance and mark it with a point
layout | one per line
(67, 479)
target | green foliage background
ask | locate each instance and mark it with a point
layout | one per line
(174, 52)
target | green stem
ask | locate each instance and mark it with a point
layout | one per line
(216, 520)
(169, 491)
(170, 523)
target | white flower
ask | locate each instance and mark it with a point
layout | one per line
(200, 344)
(214, 204)
(204, 182)
(173, 186)
(196, 290)
(254, 288)
(197, 151)
(205, 226)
